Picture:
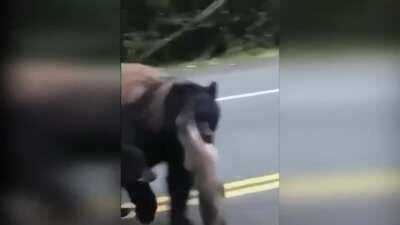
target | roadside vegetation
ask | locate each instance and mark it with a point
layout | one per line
(165, 32)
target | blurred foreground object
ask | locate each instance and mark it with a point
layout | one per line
(63, 144)
(61, 67)
(339, 113)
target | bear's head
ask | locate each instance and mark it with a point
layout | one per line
(201, 99)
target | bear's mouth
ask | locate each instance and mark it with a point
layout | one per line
(205, 131)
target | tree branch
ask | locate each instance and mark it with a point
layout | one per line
(213, 7)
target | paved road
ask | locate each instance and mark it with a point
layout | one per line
(247, 138)
(339, 137)
(254, 209)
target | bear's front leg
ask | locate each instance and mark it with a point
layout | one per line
(180, 181)
(144, 199)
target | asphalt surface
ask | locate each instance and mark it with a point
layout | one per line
(339, 137)
(259, 208)
(247, 138)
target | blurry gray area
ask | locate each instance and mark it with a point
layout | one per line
(80, 30)
(93, 205)
(339, 113)
(63, 159)
(339, 125)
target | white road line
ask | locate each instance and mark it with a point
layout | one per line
(248, 95)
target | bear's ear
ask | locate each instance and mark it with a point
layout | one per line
(213, 89)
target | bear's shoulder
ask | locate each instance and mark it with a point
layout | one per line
(136, 79)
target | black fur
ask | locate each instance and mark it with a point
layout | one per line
(163, 145)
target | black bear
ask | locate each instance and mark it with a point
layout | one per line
(150, 108)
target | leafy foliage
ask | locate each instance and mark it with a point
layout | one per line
(161, 31)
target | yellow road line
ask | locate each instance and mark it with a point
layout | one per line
(231, 194)
(236, 188)
(231, 189)
(317, 187)
(311, 187)
(164, 208)
(251, 181)
(252, 189)
(163, 200)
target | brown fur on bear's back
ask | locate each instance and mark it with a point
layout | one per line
(135, 80)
